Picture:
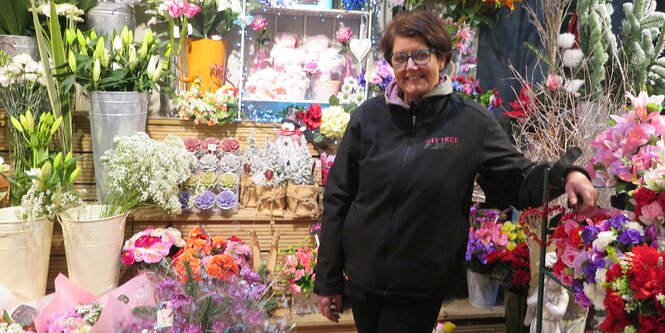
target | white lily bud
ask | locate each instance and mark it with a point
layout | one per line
(133, 61)
(96, 71)
(152, 66)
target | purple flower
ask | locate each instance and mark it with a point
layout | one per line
(589, 234)
(183, 197)
(652, 232)
(167, 287)
(590, 269)
(227, 199)
(581, 299)
(617, 222)
(180, 300)
(205, 200)
(630, 236)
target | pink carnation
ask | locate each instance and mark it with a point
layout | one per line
(190, 9)
(259, 22)
(343, 34)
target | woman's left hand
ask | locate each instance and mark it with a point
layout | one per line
(582, 196)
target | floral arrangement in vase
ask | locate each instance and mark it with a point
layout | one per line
(151, 246)
(143, 171)
(486, 235)
(510, 264)
(210, 108)
(634, 301)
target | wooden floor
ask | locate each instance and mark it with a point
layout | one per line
(467, 318)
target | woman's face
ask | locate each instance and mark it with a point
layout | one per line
(415, 80)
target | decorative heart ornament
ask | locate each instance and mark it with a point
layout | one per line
(360, 48)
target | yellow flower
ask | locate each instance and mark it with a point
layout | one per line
(510, 246)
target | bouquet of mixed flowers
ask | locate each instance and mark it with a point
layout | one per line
(299, 263)
(635, 301)
(214, 290)
(587, 247)
(152, 245)
(510, 264)
(380, 75)
(476, 12)
(207, 107)
(485, 237)
(469, 88)
(351, 92)
(631, 147)
(80, 319)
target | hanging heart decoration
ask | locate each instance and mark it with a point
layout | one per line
(360, 48)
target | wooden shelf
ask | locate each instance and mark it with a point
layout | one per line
(320, 12)
(244, 215)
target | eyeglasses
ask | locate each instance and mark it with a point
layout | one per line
(420, 57)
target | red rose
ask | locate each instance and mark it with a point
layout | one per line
(613, 273)
(614, 304)
(649, 324)
(558, 267)
(614, 324)
(521, 278)
(575, 236)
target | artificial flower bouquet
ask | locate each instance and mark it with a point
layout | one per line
(486, 236)
(634, 300)
(469, 88)
(588, 246)
(151, 246)
(210, 108)
(510, 264)
(323, 125)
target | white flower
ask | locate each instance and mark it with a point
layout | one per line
(572, 58)
(655, 179)
(22, 59)
(4, 81)
(565, 40)
(572, 86)
(635, 226)
(596, 294)
(604, 239)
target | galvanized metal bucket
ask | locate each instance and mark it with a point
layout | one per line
(15, 45)
(108, 16)
(114, 114)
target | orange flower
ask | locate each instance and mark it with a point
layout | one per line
(198, 232)
(222, 266)
(190, 256)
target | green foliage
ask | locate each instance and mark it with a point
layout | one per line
(596, 39)
(210, 22)
(15, 18)
(643, 33)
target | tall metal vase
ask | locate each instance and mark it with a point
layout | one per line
(106, 17)
(114, 114)
(15, 45)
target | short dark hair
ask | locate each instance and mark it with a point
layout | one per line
(419, 23)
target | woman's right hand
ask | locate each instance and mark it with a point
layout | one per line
(330, 306)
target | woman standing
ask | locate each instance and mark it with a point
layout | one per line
(396, 205)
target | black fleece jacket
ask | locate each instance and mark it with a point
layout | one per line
(397, 201)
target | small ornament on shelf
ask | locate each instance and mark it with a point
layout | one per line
(343, 35)
(259, 24)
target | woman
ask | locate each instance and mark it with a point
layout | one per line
(396, 204)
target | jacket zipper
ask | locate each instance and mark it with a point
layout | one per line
(392, 214)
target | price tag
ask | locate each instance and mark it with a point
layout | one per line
(164, 315)
(24, 314)
(176, 32)
(212, 147)
(315, 228)
(189, 29)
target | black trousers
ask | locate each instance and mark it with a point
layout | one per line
(379, 314)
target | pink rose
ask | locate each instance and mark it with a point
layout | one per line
(128, 257)
(651, 213)
(296, 288)
(311, 67)
(190, 9)
(343, 34)
(174, 9)
(375, 79)
(259, 22)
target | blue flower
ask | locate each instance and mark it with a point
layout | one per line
(617, 222)
(630, 236)
(589, 234)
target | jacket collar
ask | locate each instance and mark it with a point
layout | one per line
(395, 96)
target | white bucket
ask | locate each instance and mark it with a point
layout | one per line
(93, 247)
(25, 250)
(483, 291)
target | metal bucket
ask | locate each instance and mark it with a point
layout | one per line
(106, 17)
(15, 45)
(114, 114)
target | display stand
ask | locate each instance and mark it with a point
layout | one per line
(542, 270)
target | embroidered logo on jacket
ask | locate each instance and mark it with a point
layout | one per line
(444, 142)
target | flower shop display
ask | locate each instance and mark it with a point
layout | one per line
(301, 192)
(469, 88)
(118, 75)
(151, 246)
(270, 183)
(250, 162)
(297, 272)
(211, 288)
(230, 145)
(210, 108)
(21, 88)
(634, 301)
(208, 163)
